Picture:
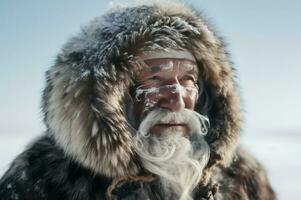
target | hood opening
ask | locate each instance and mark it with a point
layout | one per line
(88, 86)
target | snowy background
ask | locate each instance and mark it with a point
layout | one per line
(264, 39)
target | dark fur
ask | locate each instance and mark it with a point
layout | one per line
(88, 142)
(44, 172)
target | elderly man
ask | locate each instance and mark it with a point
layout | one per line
(142, 104)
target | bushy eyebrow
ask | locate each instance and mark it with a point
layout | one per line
(194, 72)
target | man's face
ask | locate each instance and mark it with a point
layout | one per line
(170, 138)
(166, 83)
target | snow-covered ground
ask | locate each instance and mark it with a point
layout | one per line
(280, 154)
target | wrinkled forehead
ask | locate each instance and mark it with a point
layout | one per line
(167, 61)
(168, 65)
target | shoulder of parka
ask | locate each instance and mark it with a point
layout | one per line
(244, 179)
(44, 172)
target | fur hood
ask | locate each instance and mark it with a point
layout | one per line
(84, 101)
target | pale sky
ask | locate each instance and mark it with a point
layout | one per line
(264, 40)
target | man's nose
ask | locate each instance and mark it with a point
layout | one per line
(173, 100)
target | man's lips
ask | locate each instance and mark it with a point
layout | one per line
(159, 128)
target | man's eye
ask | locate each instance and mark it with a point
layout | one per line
(189, 78)
(188, 81)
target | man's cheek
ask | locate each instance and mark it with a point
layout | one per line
(140, 109)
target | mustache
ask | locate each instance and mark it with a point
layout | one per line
(197, 123)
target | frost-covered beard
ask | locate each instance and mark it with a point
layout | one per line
(177, 159)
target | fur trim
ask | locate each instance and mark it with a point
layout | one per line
(84, 100)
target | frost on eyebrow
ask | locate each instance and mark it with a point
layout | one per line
(151, 95)
(189, 67)
(145, 92)
(174, 88)
(149, 103)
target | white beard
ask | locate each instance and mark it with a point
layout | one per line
(176, 159)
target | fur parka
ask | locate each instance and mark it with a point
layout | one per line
(87, 151)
